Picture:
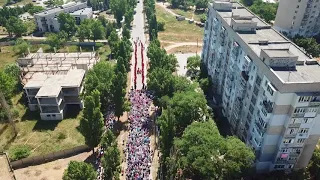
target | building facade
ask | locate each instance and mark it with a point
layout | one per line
(298, 17)
(47, 21)
(268, 88)
(52, 81)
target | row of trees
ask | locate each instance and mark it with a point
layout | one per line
(265, 10)
(150, 10)
(9, 18)
(110, 163)
(310, 45)
(123, 8)
(185, 4)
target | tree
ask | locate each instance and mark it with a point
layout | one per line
(91, 124)
(67, 24)
(55, 40)
(203, 18)
(35, 9)
(15, 26)
(21, 47)
(310, 45)
(193, 65)
(124, 50)
(161, 25)
(108, 139)
(126, 32)
(153, 27)
(111, 162)
(247, 2)
(118, 8)
(201, 4)
(202, 153)
(100, 77)
(8, 84)
(84, 30)
(128, 17)
(79, 171)
(12, 70)
(267, 11)
(113, 41)
(98, 31)
(52, 3)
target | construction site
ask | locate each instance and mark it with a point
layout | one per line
(53, 80)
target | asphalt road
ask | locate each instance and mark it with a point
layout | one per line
(137, 34)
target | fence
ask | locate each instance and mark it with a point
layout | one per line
(36, 160)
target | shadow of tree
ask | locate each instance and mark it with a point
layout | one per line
(120, 126)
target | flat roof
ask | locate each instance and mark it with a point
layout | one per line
(58, 9)
(50, 85)
(84, 11)
(278, 53)
(278, 43)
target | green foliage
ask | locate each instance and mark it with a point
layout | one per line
(247, 2)
(79, 171)
(206, 85)
(203, 18)
(12, 70)
(113, 41)
(84, 30)
(265, 10)
(20, 152)
(201, 4)
(56, 40)
(126, 32)
(67, 24)
(161, 25)
(91, 124)
(111, 162)
(61, 136)
(193, 65)
(35, 9)
(128, 17)
(31, 27)
(21, 46)
(100, 78)
(98, 31)
(310, 45)
(52, 3)
(8, 84)
(118, 8)
(212, 156)
(108, 139)
(6, 13)
(124, 50)
(15, 26)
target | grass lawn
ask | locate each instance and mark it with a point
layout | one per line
(41, 136)
(177, 31)
(186, 49)
(188, 13)
(7, 56)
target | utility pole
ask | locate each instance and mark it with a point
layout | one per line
(4, 104)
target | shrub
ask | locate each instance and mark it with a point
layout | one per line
(203, 18)
(161, 25)
(61, 136)
(20, 152)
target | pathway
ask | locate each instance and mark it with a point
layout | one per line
(175, 45)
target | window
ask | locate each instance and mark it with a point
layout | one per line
(307, 120)
(288, 141)
(284, 150)
(48, 115)
(269, 89)
(298, 6)
(291, 131)
(253, 100)
(258, 81)
(256, 91)
(292, 158)
(295, 11)
(299, 0)
(300, 141)
(251, 109)
(290, 166)
(304, 98)
(53, 115)
(294, 17)
(278, 166)
(304, 130)
(266, 83)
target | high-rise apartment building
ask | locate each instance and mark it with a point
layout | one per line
(300, 17)
(268, 89)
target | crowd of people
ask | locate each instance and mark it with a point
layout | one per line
(110, 120)
(138, 151)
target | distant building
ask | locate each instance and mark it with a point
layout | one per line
(54, 80)
(269, 90)
(300, 17)
(47, 21)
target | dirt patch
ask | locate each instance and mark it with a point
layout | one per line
(48, 171)
(185, 49)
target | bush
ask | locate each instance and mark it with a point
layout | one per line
(20, 152)
(15, 113)
(203, 18)
(61, 136)
(161, 25)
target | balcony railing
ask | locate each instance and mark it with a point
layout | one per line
(295, 125)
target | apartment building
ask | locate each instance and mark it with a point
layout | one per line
(52, 81)
(47, 21)
(269, 90)
(300, 17)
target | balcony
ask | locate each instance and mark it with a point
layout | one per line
(48, 101)
(268, 106)
(70, 91)
(52, 109)
(32, 92)
(244, 75)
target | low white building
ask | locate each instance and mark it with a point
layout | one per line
(47, 21)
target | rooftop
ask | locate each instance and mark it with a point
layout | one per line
(278, 46)
(84, 11)
(59, 9)
(50, 85)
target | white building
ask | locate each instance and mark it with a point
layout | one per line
(268, 88)
(48, 20)
(298, 17)
(54, 80)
